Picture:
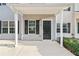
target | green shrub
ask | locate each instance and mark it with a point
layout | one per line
(72, 45)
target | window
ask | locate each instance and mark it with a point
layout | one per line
(12, 27)
(32, 27)
(4, 26)
(2, 4)
(66, 28)
(7, 27)
(67, 9)
(58, 27)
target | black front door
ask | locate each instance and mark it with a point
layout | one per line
(47, 30)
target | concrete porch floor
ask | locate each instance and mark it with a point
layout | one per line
(33, 48)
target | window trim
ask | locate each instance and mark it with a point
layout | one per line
(35, 27)
(11, 27)
(65, 27)
(2, 27)
(28, 26)
(8, 27)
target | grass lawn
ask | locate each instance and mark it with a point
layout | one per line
(72, 45)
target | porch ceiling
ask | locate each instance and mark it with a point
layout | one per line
(77, 15)
(39, 8)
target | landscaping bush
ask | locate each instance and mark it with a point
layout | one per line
(72, 45)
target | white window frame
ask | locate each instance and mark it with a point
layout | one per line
(2, 27)
(63, 27)
(58, 27)
(8, 27)
(28, 26)
(11, 27)
(67, 27)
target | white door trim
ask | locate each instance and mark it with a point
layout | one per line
(51, 26)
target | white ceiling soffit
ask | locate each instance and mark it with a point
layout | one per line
(77, 15)
(39, 8)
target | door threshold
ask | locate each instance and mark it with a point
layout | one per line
(46, 39)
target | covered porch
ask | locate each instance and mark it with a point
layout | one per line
(43, 9)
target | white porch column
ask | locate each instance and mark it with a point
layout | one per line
(41, 28)
(61, 30)
(22, 26)
(75, 24)
(52, 38)
(16, 29)
(56, 28)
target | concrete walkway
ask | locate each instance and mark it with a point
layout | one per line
(33, 48)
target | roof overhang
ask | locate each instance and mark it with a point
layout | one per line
(39, 8)
(77, 15)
